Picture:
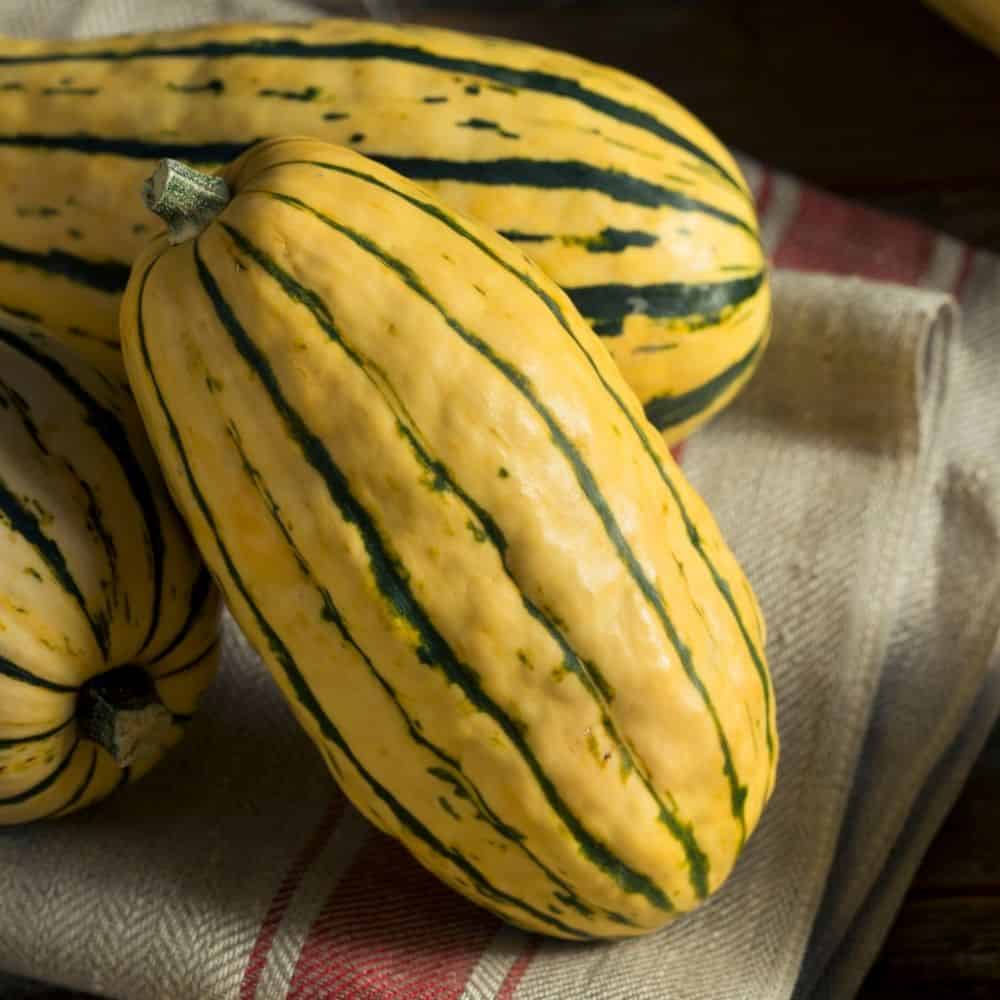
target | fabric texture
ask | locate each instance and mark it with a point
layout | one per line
(856, 480)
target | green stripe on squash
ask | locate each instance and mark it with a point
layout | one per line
(300, 686)
(666, 411)
(433, 649)
(513, 171)
(14, 672)
(705, 302)
(112, 432)
(47, 782)
(103, 276)
(487, 528)
(644, 440)
(78, 792)
(24, 522)
(289, 48)
(454, 773)
(14, 741)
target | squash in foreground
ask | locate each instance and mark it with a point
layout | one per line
(620, 194)
(440, 515)
(108, 618)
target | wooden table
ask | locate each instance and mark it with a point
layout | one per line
(881, 101)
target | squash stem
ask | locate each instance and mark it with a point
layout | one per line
(186, 199)
(121, 711)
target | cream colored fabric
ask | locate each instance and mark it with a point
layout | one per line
(939, 695)
(858, 481)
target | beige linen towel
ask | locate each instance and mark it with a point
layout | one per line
(862, 498)
(830, 477)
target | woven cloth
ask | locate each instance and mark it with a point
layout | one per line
(857, 479)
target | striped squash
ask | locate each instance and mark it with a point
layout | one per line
(108, 618)
(623, 197)
(439, 513)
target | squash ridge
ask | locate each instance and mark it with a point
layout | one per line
(434, 649)
(554, 308)
(584, 478)
(536, 80)
(588, 673)
(297, 681)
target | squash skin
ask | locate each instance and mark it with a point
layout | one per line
(598, 174)
(978, 19)
(96, 571)
(470, 563)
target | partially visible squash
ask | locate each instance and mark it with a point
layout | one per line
(108, 618)
(979, 19)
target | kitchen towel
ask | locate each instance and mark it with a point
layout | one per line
(858, 481)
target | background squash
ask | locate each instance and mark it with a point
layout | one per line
(979, 19)
(108, 618)
(440, 515)
(621, 195)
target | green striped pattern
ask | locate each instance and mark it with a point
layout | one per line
(91, 407)
(670, 411)
(700, 305)
(366, 51)
(43, 784)
(486, 526)
(67, 789)
(531, 151)
(660, 416)
(452, 772)
(254, 409)
(308, 701)
(12, 741)
(99, 570)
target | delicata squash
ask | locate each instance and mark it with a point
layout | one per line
(108, 617)
(625, 199)
(440, 515)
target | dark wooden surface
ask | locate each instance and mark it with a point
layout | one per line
(881, 101)
(946, 939)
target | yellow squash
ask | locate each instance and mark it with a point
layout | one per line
(439, 513)
(621, 195)
(108, 618)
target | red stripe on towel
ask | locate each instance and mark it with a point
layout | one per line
(517, 970)
(839, 237)
(391, 931)
(283, 896)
